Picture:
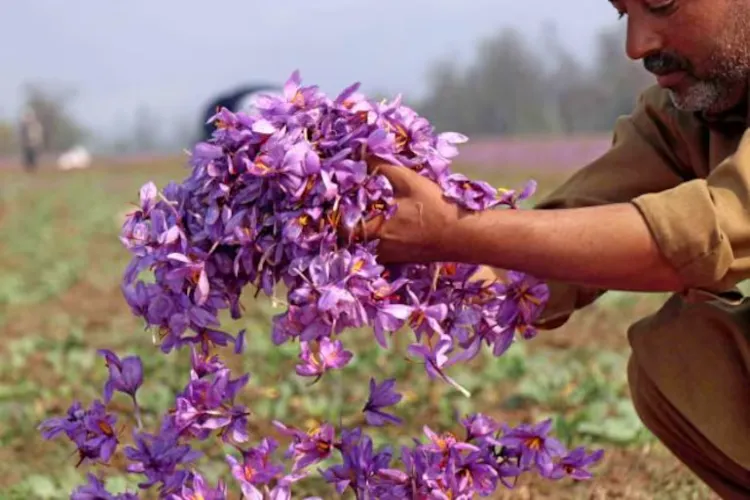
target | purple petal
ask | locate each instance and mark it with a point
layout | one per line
(263, 126)
(202, 290)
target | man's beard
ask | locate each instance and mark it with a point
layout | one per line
(714, 92)
(705, 95)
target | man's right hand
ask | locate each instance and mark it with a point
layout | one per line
(419, 231)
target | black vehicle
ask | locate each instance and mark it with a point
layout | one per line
(234, 100)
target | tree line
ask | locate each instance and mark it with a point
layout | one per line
(514, 87)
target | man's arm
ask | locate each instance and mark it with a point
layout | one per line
(573, 226)
(607, 246)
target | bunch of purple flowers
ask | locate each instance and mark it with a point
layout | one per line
(263, 206)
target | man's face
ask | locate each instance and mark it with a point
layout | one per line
(698, 49)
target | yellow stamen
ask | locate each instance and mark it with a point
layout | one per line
(298, 99)
(402, 137)
(418, 318)
(533, 300)
(449, 269)
(382, 292)
(249, 472)
(315, 356)
(323, 446)
(261, 166)
(534, 443)
(334, 217)
(105, 428)
(163, 332)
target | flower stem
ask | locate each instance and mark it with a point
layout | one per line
(137, 413)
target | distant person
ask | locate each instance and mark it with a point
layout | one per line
(32, 139)
(666, 209)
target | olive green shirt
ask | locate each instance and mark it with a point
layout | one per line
(689, 176)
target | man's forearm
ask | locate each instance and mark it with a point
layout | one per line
(606, 247)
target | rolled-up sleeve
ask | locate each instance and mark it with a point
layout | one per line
(702, 227)
(647, 156)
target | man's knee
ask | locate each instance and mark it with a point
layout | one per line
(688, 442)
(697, 357)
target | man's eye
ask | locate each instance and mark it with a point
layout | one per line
(661, 6)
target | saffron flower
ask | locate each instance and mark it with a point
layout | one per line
(534, 445)
(381, 396)
(125, 375)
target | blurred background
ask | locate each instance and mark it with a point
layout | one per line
(97, 98)
(136, 79)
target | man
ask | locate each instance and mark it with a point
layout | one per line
(666, 209)
(32, 138)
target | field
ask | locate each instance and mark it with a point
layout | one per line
(60, 267)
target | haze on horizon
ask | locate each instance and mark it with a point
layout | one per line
(172, 55)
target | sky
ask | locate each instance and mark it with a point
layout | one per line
(173, 55)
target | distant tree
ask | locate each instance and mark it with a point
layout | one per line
(446, 105)
(184, 133)
(511, 89)
(146, 134)
(618, 78)
(500, 93)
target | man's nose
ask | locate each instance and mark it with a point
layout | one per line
(642, 40)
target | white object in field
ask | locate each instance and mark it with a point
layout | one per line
(75, 158)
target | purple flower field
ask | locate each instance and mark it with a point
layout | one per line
(554, 154)
(558, 154)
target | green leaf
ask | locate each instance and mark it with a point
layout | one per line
(157, 398)
(43, 487)
(120, 484)
(616, 429)
(18, 390)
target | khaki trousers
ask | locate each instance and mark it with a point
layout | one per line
(689, 375)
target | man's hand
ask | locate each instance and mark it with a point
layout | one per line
(418, 232)
(608, 247)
